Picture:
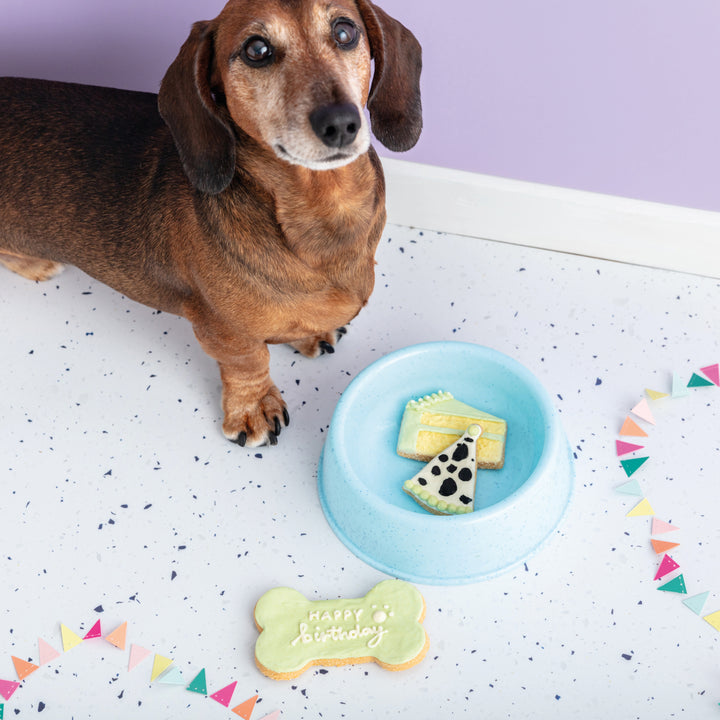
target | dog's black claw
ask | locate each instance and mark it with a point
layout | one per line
(326, 347)
(286, 417)
(272, 438)
(241, 439)
(342, 331)
(278, 426)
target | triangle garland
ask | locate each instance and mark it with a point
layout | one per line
(8, 687)
(94, 632)
(137, 655)
(160, 665)
(631, 487)
(679, 389)
(660, 546)
(660, 526)
(244, 710)
(712, 372)
(633, 465)
(118, 636)
(697, 602)
(272, 716)
(2, 711)
(632, 429)
(23, 668)
(655, 395)
(47, 652)
(642, 508)
(199, 684)
(676, 585)
(697, 381)
(69, 638)
(667, 565)
(623, 448)
(712, 618)
(642, 410)
(225, 695)
(172, 677)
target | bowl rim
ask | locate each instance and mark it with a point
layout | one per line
(553, 438)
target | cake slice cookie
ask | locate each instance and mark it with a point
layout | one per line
(446, 485)
(431, 423)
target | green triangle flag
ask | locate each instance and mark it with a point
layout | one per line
(697, 381)
(199, 684)
(1, 711)
(676, 585)
(630, 466)
(696, 602)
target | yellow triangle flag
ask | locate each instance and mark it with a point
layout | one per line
(160, 665)
(69, 638)
(118, 636)
(655, 395)
(642, 508)
(713, 619)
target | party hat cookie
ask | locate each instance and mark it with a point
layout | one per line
(446, 485)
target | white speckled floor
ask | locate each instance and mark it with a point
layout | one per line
(121, 501)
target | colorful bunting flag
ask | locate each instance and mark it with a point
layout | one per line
(225, 695)
(697, 602)
(661, 546)
(623, 448)
(8, 687)
(713, 372)
(244, 710)
(118, 636)
(676, 585)
(632, 429)
(631, 487)
(712, 618)
(160, 665)
(69, 638)
(23, 668)
(199, 684)
(633, 465)
(642, 410)
(94, 632)
(655, 395)
(660, 526)
(137, 655)
(47, 652)
(667, 565)
(172, 677)
(679, 388)
(642, 508)
(697, 381)
(272, 716)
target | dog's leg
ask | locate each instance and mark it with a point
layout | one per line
(32, 268)
(253, 407)
(317, 345)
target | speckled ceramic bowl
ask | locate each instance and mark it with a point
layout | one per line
(360, 476)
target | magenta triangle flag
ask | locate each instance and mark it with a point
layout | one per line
(8, 687)
(623, 448)
(94, 632)
(666, 566)
(713, 372)
(225, 695)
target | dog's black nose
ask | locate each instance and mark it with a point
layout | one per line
(336, 125)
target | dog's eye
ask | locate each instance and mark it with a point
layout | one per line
(345, 33)
(257, 51)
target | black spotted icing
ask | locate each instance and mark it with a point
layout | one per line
(446, 485)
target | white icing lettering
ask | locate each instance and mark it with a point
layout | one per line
(314, 615)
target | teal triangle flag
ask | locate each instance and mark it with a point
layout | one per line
(172, 677)
(676, 585)
(199, 684)
(630, 466)
(697, 381)
(697, 602)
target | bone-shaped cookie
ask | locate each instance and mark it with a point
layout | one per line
(383, 627)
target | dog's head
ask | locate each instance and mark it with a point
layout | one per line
(293, 75)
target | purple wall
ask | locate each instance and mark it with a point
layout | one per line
(613, 96)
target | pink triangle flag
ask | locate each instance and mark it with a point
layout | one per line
(47, 652)
(8, 687)
(623, 448)
(660, 526)
(94, 632)
(275, 715)
(642, 410)
(712, 372)
(225, 695)
(666, 566)
(137, 655)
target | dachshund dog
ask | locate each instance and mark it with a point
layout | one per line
(245, 196)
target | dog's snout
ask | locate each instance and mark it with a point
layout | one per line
(336, 125)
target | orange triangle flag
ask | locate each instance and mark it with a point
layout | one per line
(23, 668)
(118, 636)
(630, 427)
(244, 710)
(661, 546)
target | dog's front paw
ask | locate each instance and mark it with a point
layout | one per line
(259, 423)
(317, 345)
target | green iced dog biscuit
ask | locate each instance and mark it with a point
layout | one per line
(383, 627)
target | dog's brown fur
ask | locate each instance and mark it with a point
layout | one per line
(219, 210)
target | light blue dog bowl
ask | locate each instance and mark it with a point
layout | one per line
(360, 476)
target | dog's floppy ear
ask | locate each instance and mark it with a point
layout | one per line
(394, 101)
(204, 138)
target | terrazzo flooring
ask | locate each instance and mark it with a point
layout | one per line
(122, 501)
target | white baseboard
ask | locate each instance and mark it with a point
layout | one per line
(543, 216)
